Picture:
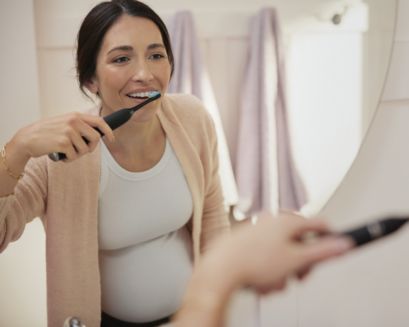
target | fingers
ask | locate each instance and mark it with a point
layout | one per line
(81, 144)
(303, 272)
(279, 285)
(82, 134)
(322, 246)
(323, 249)
(310, 225)
(101, 125)
(87, 139)
(73, 134)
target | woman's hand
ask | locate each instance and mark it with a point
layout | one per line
(73, 134)
(266, 254)
(261, 257)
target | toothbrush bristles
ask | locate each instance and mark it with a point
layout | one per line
(153, 94)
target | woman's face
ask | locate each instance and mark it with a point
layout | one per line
(132, 61)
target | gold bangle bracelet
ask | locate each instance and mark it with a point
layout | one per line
(6, 167)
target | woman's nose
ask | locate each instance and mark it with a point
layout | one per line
(142, 72)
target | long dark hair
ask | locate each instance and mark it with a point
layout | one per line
(96, 24)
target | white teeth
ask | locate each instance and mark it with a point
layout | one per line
(140, 94)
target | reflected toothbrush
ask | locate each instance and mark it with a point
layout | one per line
(114, 120)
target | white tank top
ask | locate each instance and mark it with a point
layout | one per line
(145, 248)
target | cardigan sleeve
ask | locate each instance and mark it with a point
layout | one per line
(27, 202)
(215, 221)
(193, 133)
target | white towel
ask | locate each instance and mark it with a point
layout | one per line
(191, 77)
(265, 172)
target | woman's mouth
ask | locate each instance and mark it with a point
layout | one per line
(140, 95)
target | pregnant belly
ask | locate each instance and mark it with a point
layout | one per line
(146, 282)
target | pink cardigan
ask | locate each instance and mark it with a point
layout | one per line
(65, 196)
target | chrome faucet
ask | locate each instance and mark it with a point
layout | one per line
(73, 322)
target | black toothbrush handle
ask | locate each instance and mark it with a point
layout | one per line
(375, 230)
(113, 120)
(118, 118)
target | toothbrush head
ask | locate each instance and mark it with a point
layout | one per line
(154, 94)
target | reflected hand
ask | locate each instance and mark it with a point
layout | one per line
(73, 134)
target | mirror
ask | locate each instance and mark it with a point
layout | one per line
(55, 89)
(335, 81)
(337, 55)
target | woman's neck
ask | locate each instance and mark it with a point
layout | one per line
(138, 145)
(137, 135)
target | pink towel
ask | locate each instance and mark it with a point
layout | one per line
(266, 176)
(191, 77)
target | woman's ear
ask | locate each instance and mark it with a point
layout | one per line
(92, 86)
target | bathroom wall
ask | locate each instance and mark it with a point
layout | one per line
(371, 284)
(368, 287)
(22, 266)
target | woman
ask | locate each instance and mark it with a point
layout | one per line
(126, 215)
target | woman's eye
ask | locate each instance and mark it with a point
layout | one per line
(157, 56)
(120, 60)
